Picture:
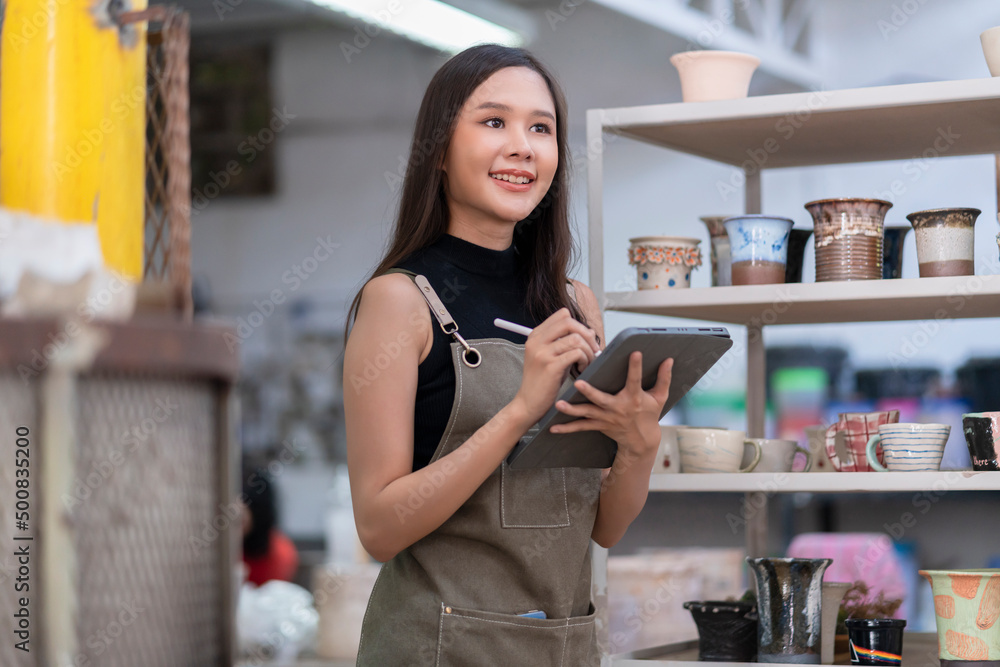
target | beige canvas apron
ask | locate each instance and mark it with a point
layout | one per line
(520, 543)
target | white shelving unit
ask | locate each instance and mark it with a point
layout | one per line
(796, 130)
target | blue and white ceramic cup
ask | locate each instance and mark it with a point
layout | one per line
(758, 246)
(909, 447)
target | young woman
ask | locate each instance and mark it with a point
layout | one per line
(436, 396)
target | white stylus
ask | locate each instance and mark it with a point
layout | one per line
(510, 326)
(519, 329)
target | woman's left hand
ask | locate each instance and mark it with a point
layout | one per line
(630, 417)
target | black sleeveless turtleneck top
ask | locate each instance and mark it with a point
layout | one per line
(476, 285)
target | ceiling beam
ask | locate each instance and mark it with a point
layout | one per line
(703, 31)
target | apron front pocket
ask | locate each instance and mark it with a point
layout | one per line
(533, 498)
(472, 638)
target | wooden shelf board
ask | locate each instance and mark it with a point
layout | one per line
(952, 297)
(824, 127)
(826, 482)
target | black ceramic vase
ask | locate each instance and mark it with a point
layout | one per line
(892, 251)
(875, 641)
(790, 606)
(727, 631)
(798, 239)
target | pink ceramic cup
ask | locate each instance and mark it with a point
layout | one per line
(857, 428)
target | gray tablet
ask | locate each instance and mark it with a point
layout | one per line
(694, 351)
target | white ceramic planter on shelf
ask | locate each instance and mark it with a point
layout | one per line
(707, 76)
(991, 49)
(664, 262)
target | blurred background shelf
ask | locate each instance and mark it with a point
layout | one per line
(827, 482)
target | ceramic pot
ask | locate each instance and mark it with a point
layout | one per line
(719, 239)
(714, 75)
(790, 607)
(982, 434)
(990, 39)
(892, 251)
(664, 262)
(848, 237)
(833, 595)
(966, 608)
(668, 456)
(707, 450)
(758, 245)
(798, 239)
(727, 631)
(908, 447)
(778, 455)
(875, 641)
(945, 241)
(857, 428)
(816, 436)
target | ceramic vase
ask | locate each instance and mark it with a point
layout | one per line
(727, 631)
(664, 262)
(833, 595)
(719, 240)
(982, 435)
(758, 246)
(945, 241)
(798, 239)
(714, 75)
(875, 641)
(790, 608)
(892, 251)
(990, 39)
(966, 608)
(848, 238)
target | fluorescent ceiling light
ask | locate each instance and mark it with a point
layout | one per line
(431, 22)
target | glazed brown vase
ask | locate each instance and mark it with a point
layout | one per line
(848, 238)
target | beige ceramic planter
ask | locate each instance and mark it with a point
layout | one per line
(714, 75)
(991, 49)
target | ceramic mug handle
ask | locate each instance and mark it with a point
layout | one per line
(831, 445)
(756, 455)
(870, 454)
(809, 457)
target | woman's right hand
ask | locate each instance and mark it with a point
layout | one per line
(553, 346)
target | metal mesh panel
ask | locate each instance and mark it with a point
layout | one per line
(146, 474)
(168, 151)
(17, 408)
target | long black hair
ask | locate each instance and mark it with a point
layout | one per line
(543, 241)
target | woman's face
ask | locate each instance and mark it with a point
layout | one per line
(504, 135)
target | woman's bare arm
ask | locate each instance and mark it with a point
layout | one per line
(394, 506)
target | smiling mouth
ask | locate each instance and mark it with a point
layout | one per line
(516, 180)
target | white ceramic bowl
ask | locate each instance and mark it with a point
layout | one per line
(991, 49)
(714, 75)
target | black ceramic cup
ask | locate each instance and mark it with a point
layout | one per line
(982, 434)
(727, 631)
(875, 641)
(798, 239)
(892, 251)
